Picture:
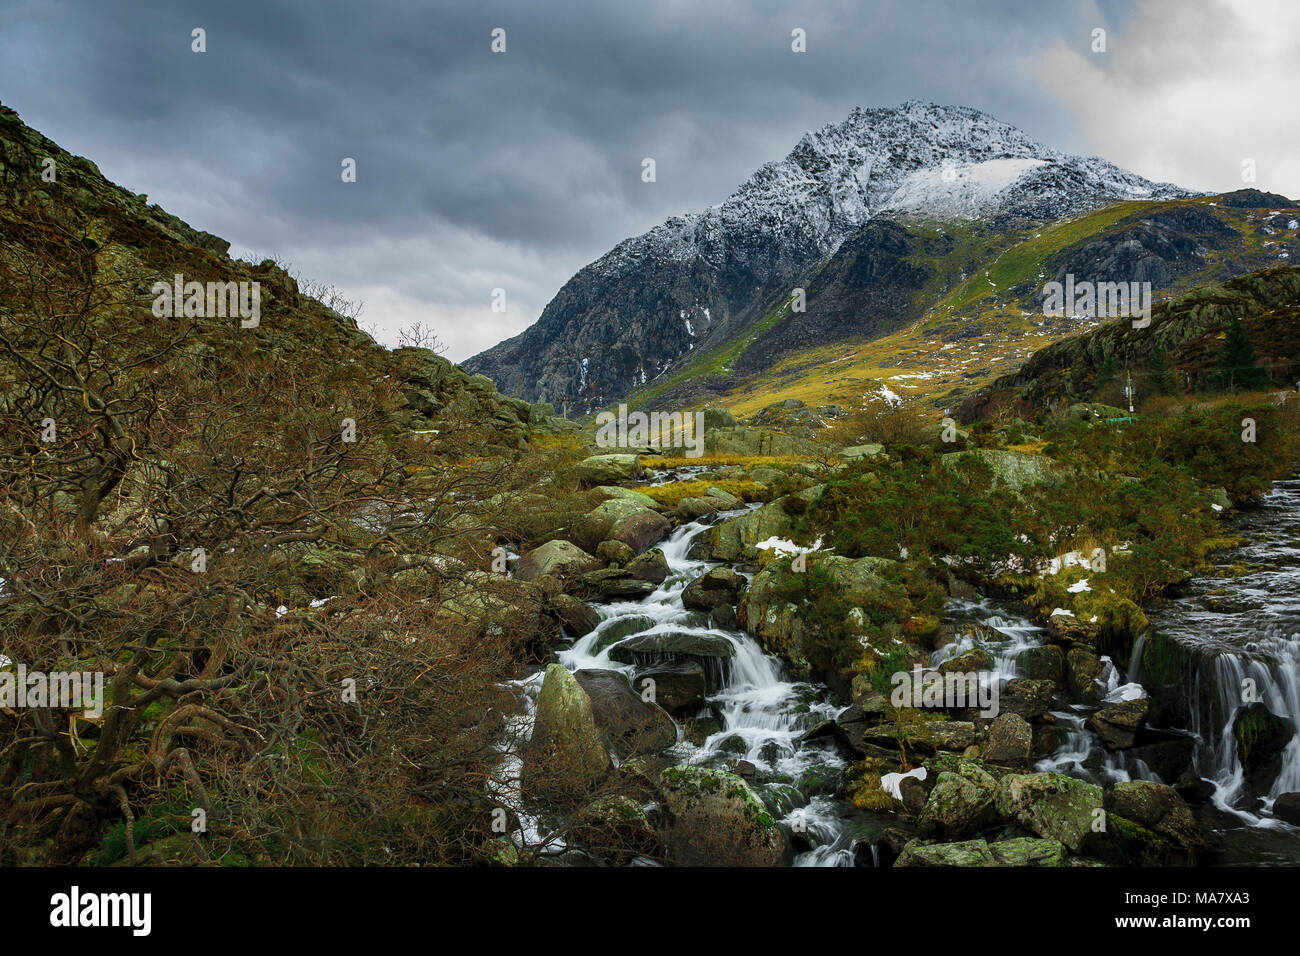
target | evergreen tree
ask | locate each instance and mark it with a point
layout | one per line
(1238, 362)
(1160, 374)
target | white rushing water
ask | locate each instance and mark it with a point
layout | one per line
(762, 713)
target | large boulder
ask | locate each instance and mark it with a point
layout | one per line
(608, 469)
(1287, 807)
(967, 853)
(649, 566)
(959, 805)
(628, 724)
(1117, 723)
(714, 587)
(615, 828)
(708, 650)
(578, 617)
(729, 540)
(1156, 807)
(565, 757)
(1261, 737)
(1012, 470)
(1027, 698)
(621, 519)
(1083, 668)
(562, 559)
(1010, 741)
(1042, 663)
(714, 818)
(679, 687)
(1051, 805)
(781, 625)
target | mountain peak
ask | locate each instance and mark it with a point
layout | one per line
(698, 278)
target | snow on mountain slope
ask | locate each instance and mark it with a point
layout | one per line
(721, 266)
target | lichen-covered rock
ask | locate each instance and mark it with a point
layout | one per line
(714, 587)
(714, 818)
(649, 566)
(563, 559)
(707, 649)
(967, 853)
(960, 804)
(1027, 851)
(1083, 668)
(1158, 808)
(729, 540)
(565, 757)
(1042, 663)
(1052, 805)
(615, 828)
(608, 469)
(1118, 723)
(1025, 697)
(1010, 741)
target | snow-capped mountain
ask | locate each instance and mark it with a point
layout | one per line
(699, 280)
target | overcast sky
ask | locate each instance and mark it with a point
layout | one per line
(478, 170)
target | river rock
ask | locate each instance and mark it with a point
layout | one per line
(613, 584)
(620, 519)
(967, 853)
(1027, 851)
(640, 497)
(679, 686)
(649, 566)
(615, 553)
(1156, 807)
(1083, 668)
(1261, 736)
(578, 617)
(714, 818)
(1028, 698)
(1118, 723)
(607, 469)
(967, 662)
(714, 587)
(707, 649)
(960, 804)
(615, 828)
(1051, 805)
(565, 757)
(1287, 807)
(729, 540)
(563, 559)
(697, 508)
(1042, 663)
(627, 723)
(927, 737)
(1010, 741)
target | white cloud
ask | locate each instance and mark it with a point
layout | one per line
(1187, 90)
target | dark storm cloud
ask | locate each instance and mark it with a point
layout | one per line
(478, 170)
